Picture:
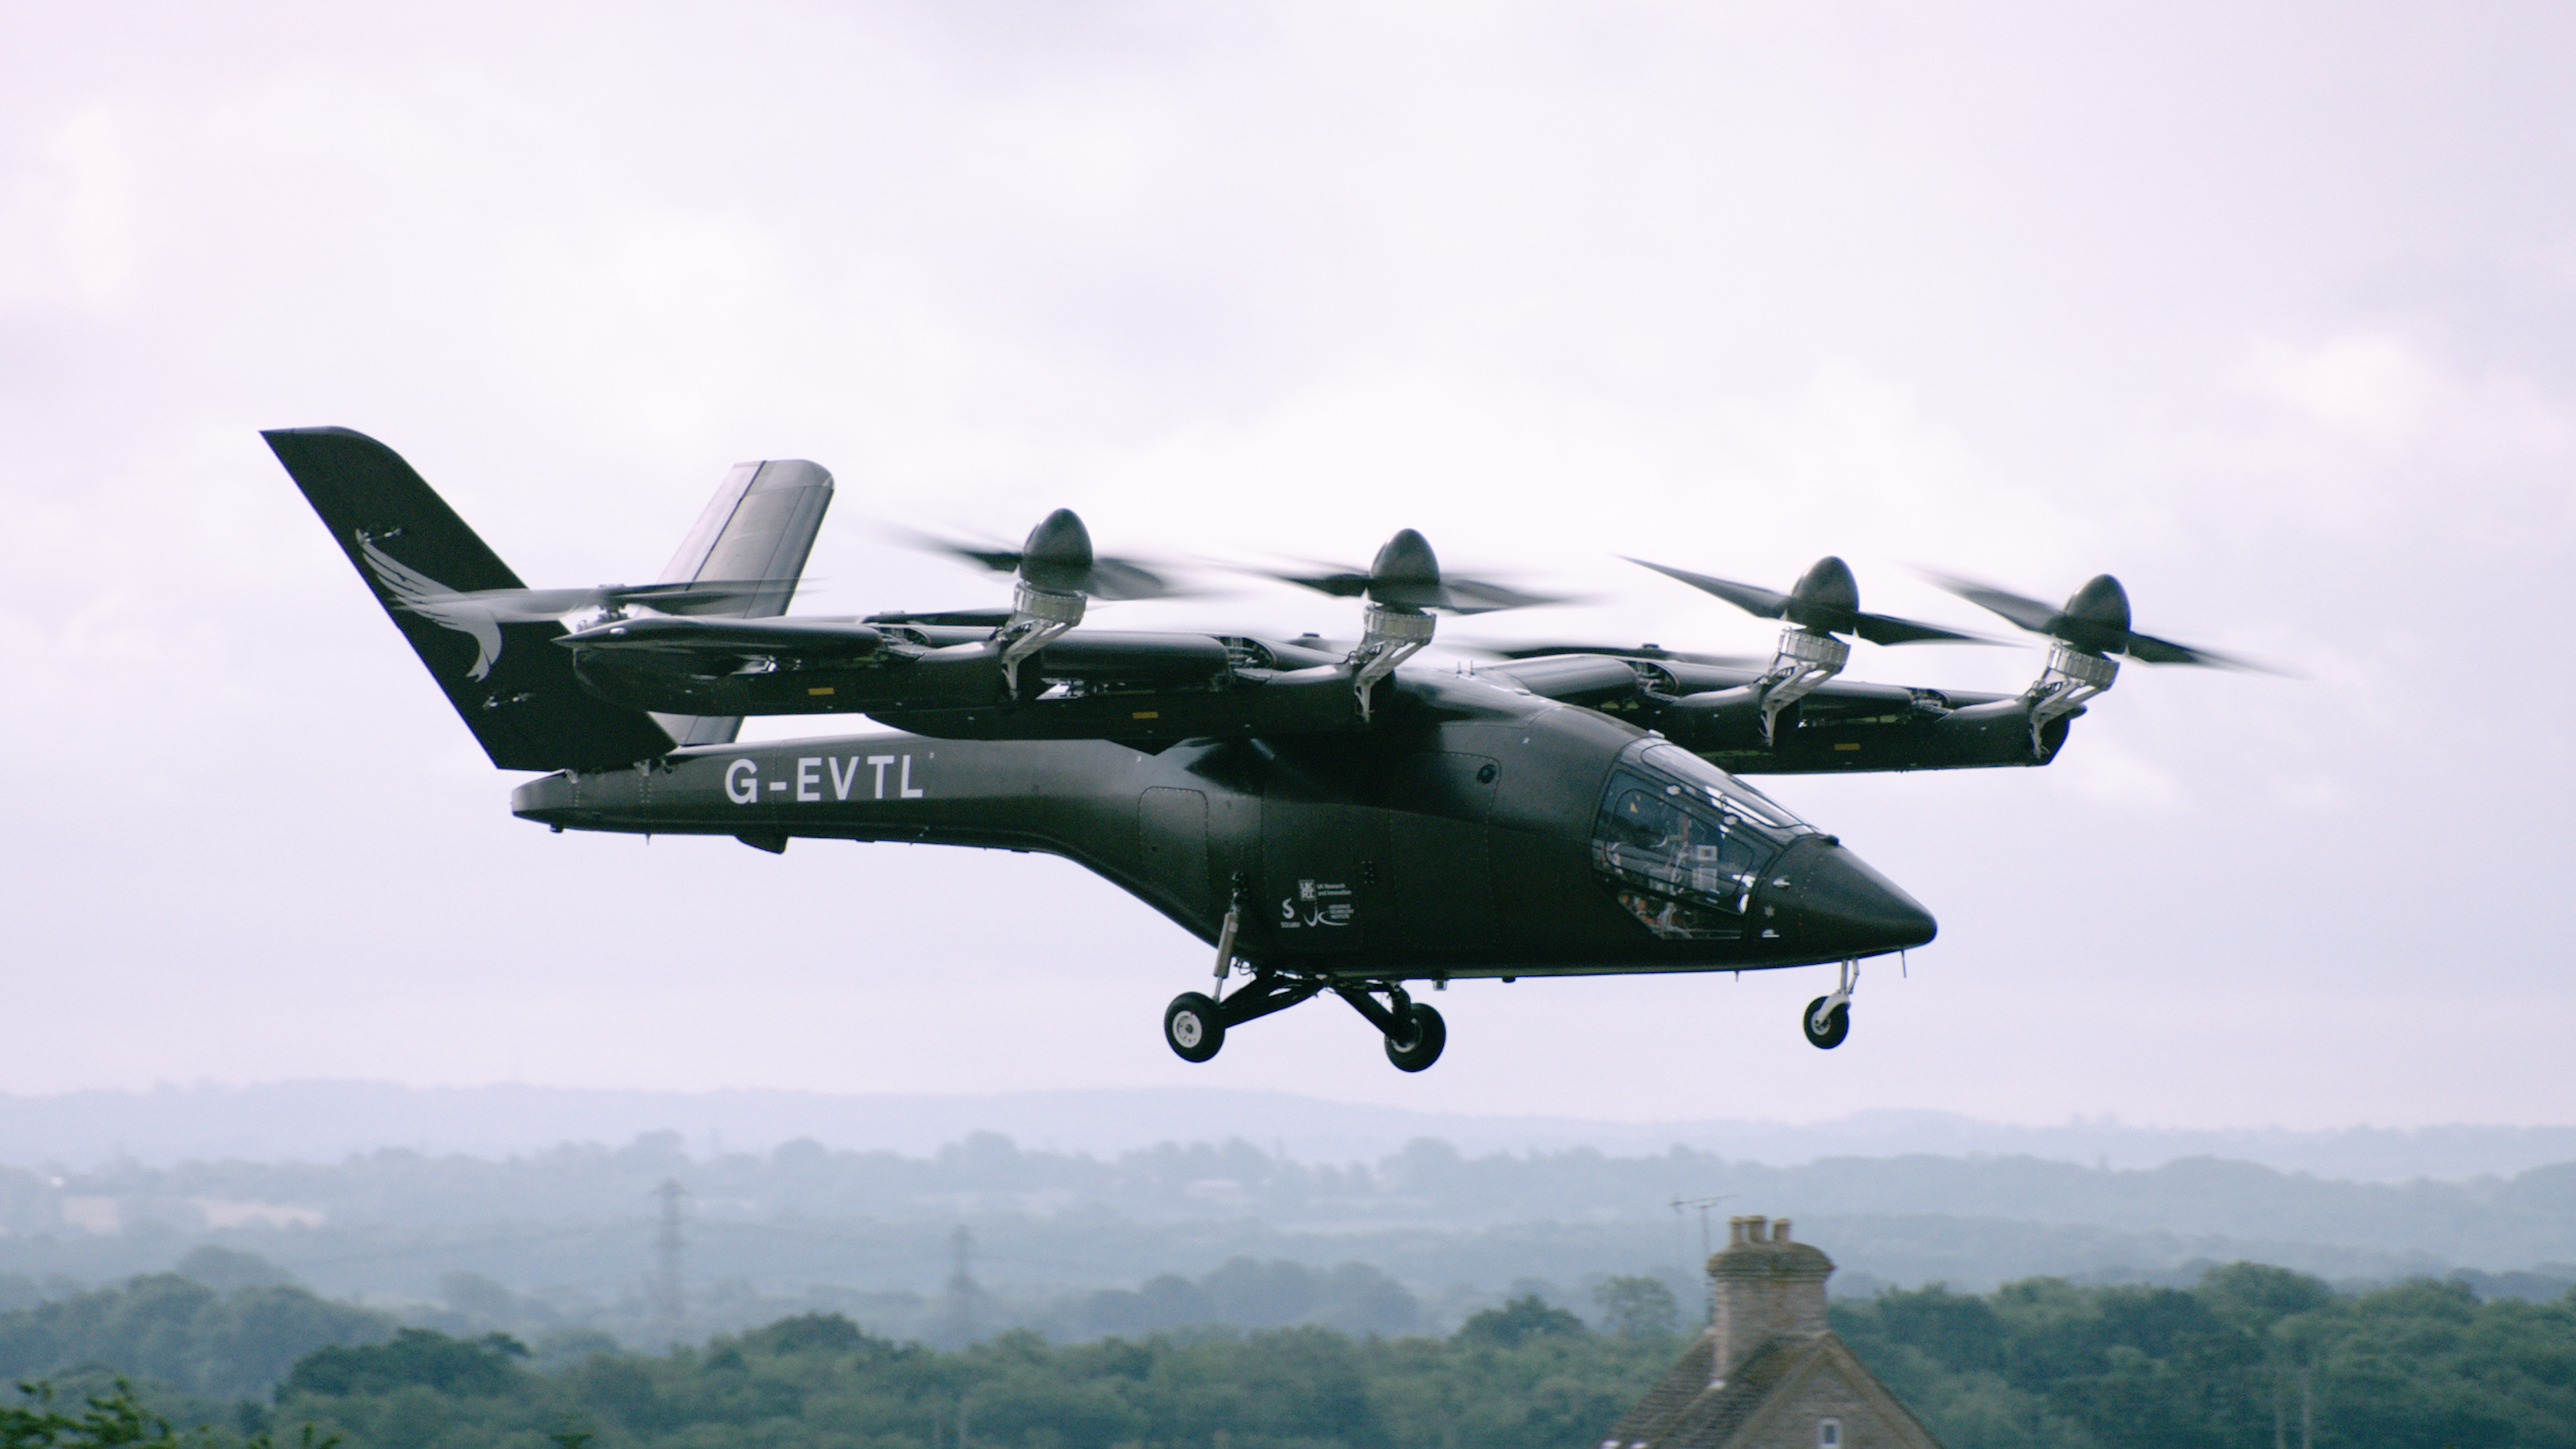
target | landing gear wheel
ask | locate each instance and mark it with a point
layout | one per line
(1837, 1024)
(1422, 1047)
(1194, 1028)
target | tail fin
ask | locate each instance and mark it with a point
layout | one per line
(515, 693)
(760, 525)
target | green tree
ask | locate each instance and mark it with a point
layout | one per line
(417, 1356)
(1638, 1307)
(1525, 1317)
(114, 1419)
(170, 1329)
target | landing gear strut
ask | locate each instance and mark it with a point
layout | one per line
(1828, 1018)
(1195, 1024)
(1414, 1031)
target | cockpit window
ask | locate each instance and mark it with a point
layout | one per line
(1723, 789)
(1683, 848)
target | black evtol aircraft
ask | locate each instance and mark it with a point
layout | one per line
(1326, 819)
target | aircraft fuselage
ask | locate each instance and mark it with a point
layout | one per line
(1477, 831)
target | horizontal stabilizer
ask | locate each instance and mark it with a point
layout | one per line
(759, 526)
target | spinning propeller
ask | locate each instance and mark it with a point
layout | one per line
(1825, 600)
(535, 606)
(1406, 575)
(1403, 585)
(1058, 559)
(2094, 621)
(416, 592)
(1056, 575)
(1823, 606)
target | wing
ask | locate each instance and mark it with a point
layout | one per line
(948, 681)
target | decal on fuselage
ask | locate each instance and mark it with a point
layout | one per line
(816, 774)
(415, 592)
(1317, 903)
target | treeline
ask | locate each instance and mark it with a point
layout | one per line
(228, 1323)
(1521, 1375)
(2246, 1358)
(1242, 1292)
(2249, 1356)
(178, 1332)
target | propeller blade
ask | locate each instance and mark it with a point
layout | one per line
(1762, 603)
(1407, 575)
(1057, 558)
(539, 606)
(1887, 629)
(1484, 596)
(1345, 584)
(2152, 650)
(1826, 599)
(1114, 580)
(999, 560)
(2095, 619)
(703, 597)
(2030, 614)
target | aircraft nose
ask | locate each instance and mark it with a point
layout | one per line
(1847, 908)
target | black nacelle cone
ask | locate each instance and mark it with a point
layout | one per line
(1057, 557)
(1406, 573)
(2096, 617)
(1827, 598)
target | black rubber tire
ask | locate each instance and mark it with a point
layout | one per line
(1430, 1034)
(1839, 1025)
(1193, 1026)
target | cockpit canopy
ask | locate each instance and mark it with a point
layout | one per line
(1683, 844)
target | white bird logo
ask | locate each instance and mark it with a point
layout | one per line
(417, 593)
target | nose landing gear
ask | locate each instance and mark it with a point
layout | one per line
(1194, 1027)
(1828, 1018)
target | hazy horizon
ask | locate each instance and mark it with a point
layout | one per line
(325, 1120)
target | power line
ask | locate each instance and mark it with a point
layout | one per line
(668, 1303)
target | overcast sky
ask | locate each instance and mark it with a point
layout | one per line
(2266, 308)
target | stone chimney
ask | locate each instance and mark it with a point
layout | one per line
(1764, 1287)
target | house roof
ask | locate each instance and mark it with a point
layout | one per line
(1687, 1410)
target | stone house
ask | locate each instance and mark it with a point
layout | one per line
(1768, 1373)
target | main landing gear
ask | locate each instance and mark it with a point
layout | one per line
(1195, 1024)
(1828, 1018)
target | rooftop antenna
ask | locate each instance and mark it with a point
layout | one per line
(1705, 1247)
(1703, 1204)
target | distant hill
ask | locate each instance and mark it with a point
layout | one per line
(394, 1223)
(324, 1121)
